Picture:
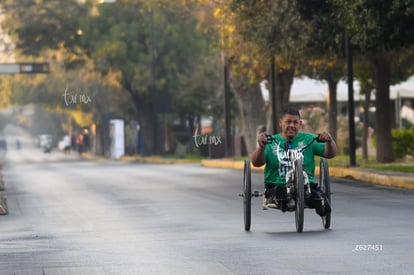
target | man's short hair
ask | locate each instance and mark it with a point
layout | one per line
(291, 111)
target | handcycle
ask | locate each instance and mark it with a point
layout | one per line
(297, 187)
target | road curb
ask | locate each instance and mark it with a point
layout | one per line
(3, 205)
(359, 174)
(229, 164)
(373, 177)
(158, 159)
(140, 159)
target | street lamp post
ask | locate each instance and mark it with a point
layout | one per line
(351, 115)
(227, 110)
(273, 95)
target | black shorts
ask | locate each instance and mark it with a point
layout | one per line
(279, 192)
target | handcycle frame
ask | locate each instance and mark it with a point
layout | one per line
(296, 182)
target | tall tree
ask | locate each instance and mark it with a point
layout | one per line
(325, 50)
(381, 30)
(151, 45)
(246, 69)
(37, 25)
(276, 28)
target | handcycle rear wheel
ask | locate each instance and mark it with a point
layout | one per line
(325, 187)
(300, 195)
(247, 195)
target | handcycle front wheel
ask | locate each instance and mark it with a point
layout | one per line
(247, 195)
(325, 187)
(300, 195)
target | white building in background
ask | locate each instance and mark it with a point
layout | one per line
(306, 90)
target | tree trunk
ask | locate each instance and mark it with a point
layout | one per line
(382, 65)
(284, 80)
(367, 91)
(101, 139)
(332, 108)
(148, 123)
(147, 120)
(251, 105)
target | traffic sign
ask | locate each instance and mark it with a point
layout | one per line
(24, 68)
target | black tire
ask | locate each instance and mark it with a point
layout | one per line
(325, 187)
(247, 195)
(300, 195)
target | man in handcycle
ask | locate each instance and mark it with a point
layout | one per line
(274, 154)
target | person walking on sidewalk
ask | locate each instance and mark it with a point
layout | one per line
(275, 169)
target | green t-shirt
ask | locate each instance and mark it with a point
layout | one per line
(276, 165)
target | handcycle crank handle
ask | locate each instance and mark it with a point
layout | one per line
(317, 138)
(269, 139)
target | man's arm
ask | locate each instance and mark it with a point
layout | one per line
(257, 156)
(330, 149)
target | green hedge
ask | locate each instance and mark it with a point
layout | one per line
(403, 142)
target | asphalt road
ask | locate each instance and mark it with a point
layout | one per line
(109, 217)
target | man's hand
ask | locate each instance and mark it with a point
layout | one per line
(262, 140)
(324, 137)
(330, 145)
(257, 156)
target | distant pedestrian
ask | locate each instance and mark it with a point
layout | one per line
(86, 141)
(80, 143)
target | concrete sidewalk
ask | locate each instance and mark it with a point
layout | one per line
(387, 178)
